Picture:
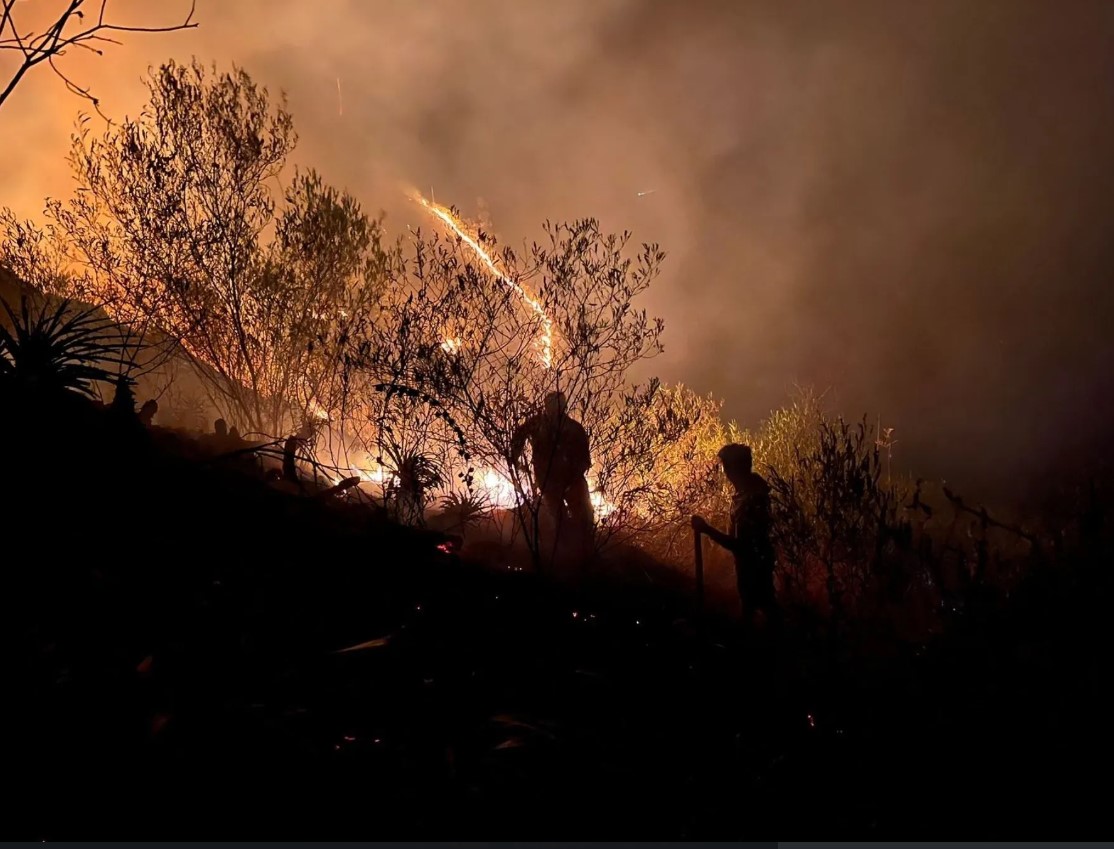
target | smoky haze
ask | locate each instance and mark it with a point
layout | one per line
(909, 203)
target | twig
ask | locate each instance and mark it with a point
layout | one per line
(986, 519)
(53, 41)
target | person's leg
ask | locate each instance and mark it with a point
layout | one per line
(553, 506)
(745, 597)
(772, 612)
(580, 503)
(767, 592)
(583, 518)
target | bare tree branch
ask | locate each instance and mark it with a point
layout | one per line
(68, 30)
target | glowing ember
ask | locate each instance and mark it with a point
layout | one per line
(449, 220)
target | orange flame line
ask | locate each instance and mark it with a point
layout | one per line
(450, 221)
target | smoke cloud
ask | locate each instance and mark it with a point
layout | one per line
(909, 203)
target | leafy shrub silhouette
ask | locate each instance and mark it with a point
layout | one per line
(834, 513)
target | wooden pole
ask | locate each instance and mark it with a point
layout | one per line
(698, 555)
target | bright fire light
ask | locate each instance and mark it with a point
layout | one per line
(498, 489)
(374, 473)
(600, 505)
(500, 492)
(449, 220)
(494, 486)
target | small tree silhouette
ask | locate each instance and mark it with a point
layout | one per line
(175, 228)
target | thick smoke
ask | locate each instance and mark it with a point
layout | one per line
(907, 202)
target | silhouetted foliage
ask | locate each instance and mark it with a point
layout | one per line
(176, 231)
(834, 510)
(51, 349)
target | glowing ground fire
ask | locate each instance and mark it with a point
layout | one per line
(446, 217)
(496, 488)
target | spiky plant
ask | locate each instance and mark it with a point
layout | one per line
(465, 509)
(50, 350)
(416, 475)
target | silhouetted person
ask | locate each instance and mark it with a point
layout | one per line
(147, 412)
(220, 428)
(123, 401)
(749, 536)
(295, 443)
(290, 457)
(561, 458)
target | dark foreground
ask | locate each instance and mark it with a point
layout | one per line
(174, 673)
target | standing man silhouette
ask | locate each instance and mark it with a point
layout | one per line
(560, 457)
(749, 536)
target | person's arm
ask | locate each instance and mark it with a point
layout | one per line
(518, 441)
(727, 541)
(723, 540)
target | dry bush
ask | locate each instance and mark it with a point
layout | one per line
(659, 458)
(175, 230)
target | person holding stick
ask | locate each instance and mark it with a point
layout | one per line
(749, 536)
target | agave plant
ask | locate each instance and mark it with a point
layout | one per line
(465, 509)
(416, 475)
(49, 350)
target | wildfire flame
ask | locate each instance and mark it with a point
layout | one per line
(501, 493)
(445, 216)
(600, 505)
(497, 489)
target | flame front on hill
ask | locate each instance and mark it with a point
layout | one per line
(446, 217)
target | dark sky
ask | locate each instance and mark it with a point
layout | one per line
(907, 202)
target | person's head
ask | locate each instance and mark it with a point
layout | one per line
(220, 427)
(737, 461)
(148, 410)
(556, 404)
